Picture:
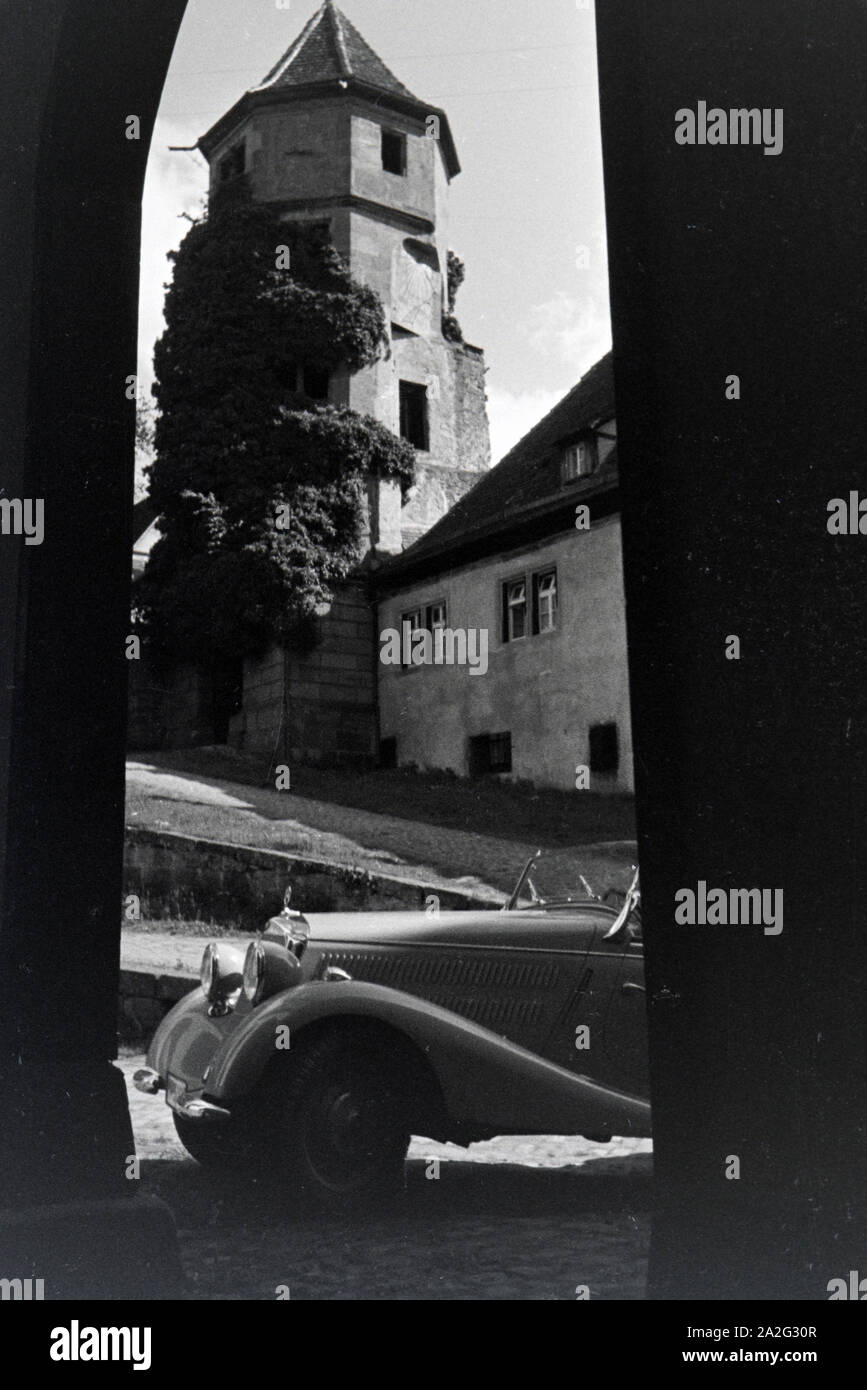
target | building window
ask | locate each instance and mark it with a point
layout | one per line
(514, 610)
(436, 615)
(233, 163)
(580, 459)
(430, 619)
(545, 601)
(393, 152)
(413, 414)
(490, 754)
(388, 754)
(604, 749)
(316, 381)
(415, 619)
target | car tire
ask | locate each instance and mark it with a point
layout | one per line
(338, 1129)
(216, 1147)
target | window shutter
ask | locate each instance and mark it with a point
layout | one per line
(504, 590)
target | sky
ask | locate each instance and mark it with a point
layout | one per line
(518, 81)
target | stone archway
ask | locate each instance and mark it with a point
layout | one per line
(74, 72)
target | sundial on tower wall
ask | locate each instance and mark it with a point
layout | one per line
(414, 281)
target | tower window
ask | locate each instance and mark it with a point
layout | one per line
(604, 749)
(316, 381)
(393, 152)
(413, 414)
(233, 163)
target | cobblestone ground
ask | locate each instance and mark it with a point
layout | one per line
(526, 1219)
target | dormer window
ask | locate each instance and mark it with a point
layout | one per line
(580, 458)
(233, 163)
(393, 152)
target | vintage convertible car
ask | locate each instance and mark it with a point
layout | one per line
(317, 1055)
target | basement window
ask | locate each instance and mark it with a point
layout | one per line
(490, 754)
(413, 415)
(393, 152)
(604, 748)
(388, 754)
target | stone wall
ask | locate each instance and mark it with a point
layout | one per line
(145, 999)
(233, 885)
(147, 691)
(332, 690)
(471, 412)
(185, 722)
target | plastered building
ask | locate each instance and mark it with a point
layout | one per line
(531, 557)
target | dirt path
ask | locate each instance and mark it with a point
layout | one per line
(513, 1219)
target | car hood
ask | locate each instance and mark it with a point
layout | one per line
(563, 928)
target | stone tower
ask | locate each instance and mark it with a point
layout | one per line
(331, 136)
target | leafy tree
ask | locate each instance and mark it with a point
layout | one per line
(260, 490)
(455, 273)
(144, 441)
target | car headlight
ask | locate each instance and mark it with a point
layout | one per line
(209, 971)
(220, 977)
(254, 972)
(269, 968)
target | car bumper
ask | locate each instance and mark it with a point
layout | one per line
(189, 1107)
(147, 1080)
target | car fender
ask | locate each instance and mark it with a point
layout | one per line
(483, 1078)
(187, 1039)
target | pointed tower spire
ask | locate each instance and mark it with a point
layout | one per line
(330, 54)
(330, 48)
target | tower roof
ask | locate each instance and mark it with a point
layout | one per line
(330, 54)
(330, 48)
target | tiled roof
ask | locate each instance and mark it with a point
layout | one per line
(330, 51)
(330, 48)
(524, 485)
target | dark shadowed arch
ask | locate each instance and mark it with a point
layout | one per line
(70, 200)
(752, 772)
(748, 773)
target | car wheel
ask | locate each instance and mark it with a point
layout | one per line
(339, 1128)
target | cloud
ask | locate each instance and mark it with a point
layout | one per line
(513, 414)
(573, 333)
(571, 337)
(175, 184)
